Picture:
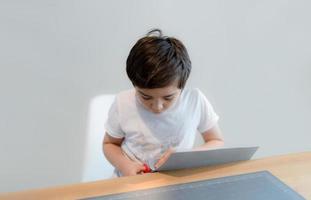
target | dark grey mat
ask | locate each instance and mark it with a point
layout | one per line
(254, 186)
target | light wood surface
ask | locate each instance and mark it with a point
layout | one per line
(292, 169)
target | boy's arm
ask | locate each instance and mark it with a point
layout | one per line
(213, 138)
(114, 154)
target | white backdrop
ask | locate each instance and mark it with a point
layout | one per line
(250, 57)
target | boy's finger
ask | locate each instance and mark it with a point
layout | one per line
(160, 162)
(168, 153)
(141, 169)
(164, 158)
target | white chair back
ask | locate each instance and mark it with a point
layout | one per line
(96, 167)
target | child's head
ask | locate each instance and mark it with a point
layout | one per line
(158, 67)
(156, 61)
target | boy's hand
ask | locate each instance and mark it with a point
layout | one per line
(164, 158)
(131, 168)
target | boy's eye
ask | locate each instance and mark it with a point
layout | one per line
(168, 98)
(146, 98)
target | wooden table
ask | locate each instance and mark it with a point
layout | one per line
(293, 169)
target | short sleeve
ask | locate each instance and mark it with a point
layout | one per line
(208, 117)
(112, 125)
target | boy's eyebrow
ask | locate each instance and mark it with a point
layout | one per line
(170, 95)
(143, 93)
(150, 96)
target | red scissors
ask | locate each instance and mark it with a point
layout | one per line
(147, 169)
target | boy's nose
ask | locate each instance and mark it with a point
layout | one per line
(157, 106)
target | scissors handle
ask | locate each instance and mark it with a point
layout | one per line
(147, 169)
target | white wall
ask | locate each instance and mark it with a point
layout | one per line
(251, 58)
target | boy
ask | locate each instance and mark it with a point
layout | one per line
(159, 115)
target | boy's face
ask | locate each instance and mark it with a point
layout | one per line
(159, 99)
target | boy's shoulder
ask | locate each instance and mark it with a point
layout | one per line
(126, 93)
(125, 97)
(192, 90)
(192, 93)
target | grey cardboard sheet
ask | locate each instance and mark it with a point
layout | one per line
(253, 186)
(191, 159)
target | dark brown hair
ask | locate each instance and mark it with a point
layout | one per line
(156, 61)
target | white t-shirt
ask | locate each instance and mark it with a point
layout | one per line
(148, 135)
